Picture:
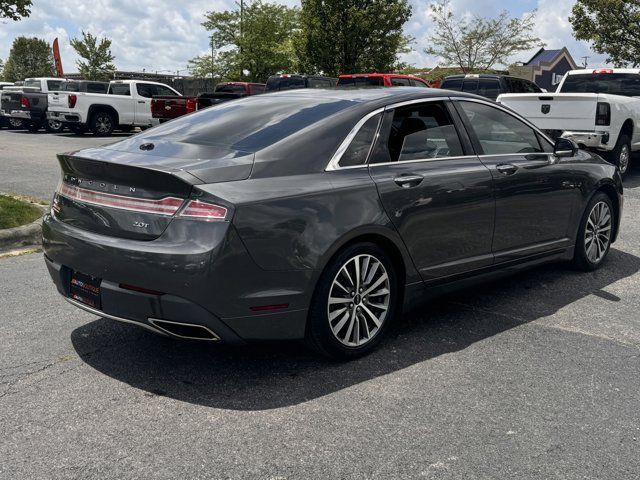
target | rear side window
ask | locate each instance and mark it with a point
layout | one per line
(489, 88)
(454, 84)
(358, 150)
(120, 89)
(418, 83)
(400, 82)
(498, 132)
(163, 91)
(418, 132)
(70, 87)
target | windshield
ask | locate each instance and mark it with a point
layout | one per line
(361, 82)
(626, 84)
(252, 123)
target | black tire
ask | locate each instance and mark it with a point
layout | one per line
(16, 124)
(54, 126)
(78, 129)
(581, 258)
(319, 333)
(102, 123)
(620, 156)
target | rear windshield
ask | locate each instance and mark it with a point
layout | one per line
(626, 84)
(32, 83)
(285, 83)
(361, 82)
(119, 89)
(230, 88)
(251, 123)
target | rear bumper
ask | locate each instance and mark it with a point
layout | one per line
(595, 140)
(205, 275)
(21, 114)
(64, 117)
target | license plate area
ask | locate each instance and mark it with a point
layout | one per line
(85, 289)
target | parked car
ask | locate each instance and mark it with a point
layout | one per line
(286, 81)
(488, 85)
(169, 107)
(360, 80)
(29, 103)
(319, 215)
(598, 109)
(4, 121)
(127, 104)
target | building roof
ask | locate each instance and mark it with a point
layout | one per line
(547, 56)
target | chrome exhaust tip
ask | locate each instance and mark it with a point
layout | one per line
(184, 330)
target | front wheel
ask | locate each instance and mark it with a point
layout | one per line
(354, 302)
(595, 233)
(621, 154)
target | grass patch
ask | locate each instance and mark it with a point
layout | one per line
(14, 212)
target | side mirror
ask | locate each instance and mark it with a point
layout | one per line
(565, 148)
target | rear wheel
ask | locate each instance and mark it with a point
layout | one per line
(102, 123)
(54, 126)
(354, 302)
(16, 124)
(621, 154)
(595, 233)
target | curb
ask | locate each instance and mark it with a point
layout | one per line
(24, 235)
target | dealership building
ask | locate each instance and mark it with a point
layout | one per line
(546, 68)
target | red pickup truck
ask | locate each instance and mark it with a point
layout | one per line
(169, 107)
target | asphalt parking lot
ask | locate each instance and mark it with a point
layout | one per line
(536, 376)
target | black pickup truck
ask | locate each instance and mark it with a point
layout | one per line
(31, 103)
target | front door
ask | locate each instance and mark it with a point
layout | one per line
(145, 91)
(535, 192)
(436, 192)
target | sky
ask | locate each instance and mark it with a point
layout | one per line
(162, 35)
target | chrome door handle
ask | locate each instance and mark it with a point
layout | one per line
(408, 181)
(140, 101)
(507, 168)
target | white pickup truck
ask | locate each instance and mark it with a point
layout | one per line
(127, 104)
(598, 109)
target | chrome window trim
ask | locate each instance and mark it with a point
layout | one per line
(334, 163)
(420, 160)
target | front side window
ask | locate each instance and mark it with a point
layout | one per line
(418, 83)
(419, 132)
(145, 90)
(498, 132)
(164, 91)
(358, 150)
(454, 84)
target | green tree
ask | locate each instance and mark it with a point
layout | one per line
(476, 43)
(349, 36)
(612, 27)
(1, 69)
(97, 57)
(259, 43)
(15, 10)
(223, 67)
(29, 57)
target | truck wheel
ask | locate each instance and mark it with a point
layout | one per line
(621, 154)
(54, 126)
(102, 123)
(16, 124)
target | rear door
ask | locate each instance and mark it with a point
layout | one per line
(434, 189)
(144, 93)
(122, 100)
(536, 192)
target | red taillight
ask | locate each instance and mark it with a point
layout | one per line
(164, 206)
(192, 105)
(603, 70)
(24, 102)
(71, 100)
(203, 211)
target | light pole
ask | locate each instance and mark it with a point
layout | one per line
(212, 57)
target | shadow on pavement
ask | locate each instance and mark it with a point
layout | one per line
(267, 376)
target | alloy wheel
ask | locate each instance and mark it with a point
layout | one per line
(359, 300)
(103, 124)
(624, 158)
(598, 232)
(55, 125)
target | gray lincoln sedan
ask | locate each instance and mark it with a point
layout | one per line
(319, 215)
